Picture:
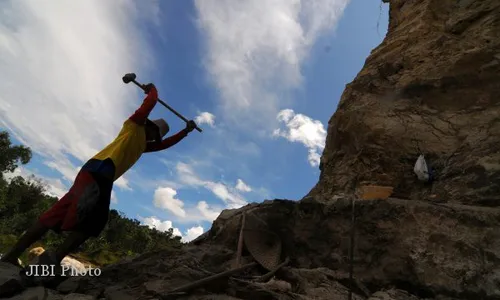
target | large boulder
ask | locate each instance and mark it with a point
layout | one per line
(11, 281)
(425, 248)
(34, 293)
(19, 261)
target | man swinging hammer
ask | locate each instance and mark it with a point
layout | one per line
(84, 209)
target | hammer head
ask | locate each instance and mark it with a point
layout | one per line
(128, 77)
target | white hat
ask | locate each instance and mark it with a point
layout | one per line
(162, 125)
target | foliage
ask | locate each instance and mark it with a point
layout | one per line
(22, 200)
(10, 155)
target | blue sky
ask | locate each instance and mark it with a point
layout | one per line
(262, 78)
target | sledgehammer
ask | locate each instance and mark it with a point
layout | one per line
(130, 77)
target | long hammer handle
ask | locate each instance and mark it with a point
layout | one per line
(168, 107)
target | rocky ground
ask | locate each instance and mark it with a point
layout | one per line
(430, 88)
(404, 250)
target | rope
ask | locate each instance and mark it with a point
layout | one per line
(351, 250)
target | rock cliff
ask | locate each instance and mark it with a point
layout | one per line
(430, 88)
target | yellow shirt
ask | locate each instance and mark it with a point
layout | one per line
(126, 149)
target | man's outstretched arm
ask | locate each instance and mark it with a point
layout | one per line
(166, 143)
(171, 140)
(141, 114)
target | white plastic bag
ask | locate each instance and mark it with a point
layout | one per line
(420, 169)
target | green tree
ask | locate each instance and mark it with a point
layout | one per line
(10, 155)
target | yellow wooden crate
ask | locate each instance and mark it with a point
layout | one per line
(375, 192)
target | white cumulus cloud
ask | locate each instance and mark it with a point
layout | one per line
(227, 194)
(154, 222)
(300, 128)
(255, 49)
(192, 233)
(242, 186)
(165, 198)
(205, 118)
(189, 235)
(207, 212)
(61, 74)
(122, 183)
(114, 199)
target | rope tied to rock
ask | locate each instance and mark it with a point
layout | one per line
(351, 249)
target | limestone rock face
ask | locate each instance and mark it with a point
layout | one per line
(431, 87)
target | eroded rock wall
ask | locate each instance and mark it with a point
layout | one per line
(431, 87)
(425, 248)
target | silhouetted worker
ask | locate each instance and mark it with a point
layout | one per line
(84, 209)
